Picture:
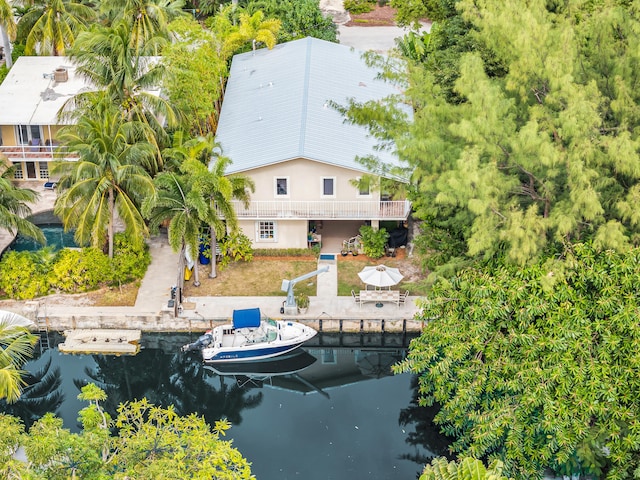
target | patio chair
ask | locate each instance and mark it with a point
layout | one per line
(50, 185)
(356, 297)
(403, 298)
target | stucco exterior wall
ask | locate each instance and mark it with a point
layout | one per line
(289, 234)
(305, 181)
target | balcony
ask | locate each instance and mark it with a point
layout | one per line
(42, 153)
(324, 210)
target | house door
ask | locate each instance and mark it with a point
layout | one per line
(31, 170)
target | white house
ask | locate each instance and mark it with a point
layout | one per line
(278, 127)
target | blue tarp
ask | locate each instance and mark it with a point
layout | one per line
(247, 318)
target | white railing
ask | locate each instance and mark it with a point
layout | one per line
(43, 153)
(325, 210)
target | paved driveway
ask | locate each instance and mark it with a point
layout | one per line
(378, 39)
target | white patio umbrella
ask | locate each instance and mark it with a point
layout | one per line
(380, 276)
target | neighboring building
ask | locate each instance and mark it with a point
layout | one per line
(278, 127)
(30, 98)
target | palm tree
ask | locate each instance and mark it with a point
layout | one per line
(193, 156)
(253, 29)
(146, 19)
(14, 208)
(184, 207)
(110, 176)
(130, 77)
(53, 26)
(221, 190)
(7, 30)
(16, 347)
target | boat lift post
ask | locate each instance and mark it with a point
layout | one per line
(290, 306)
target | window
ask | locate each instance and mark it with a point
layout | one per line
(363, 188)
(282, 187)
(44, 170)
(28, 133)
(328, 187)
(18, 174)
(266, 231)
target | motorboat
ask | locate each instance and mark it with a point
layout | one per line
(285, 364)
(250, 336)
(257, 373)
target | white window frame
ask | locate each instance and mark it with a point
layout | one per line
(260, 229)
(31, 131)
(333, 180)
(359, 191)
(275, 187)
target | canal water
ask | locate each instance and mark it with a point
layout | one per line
(333, 410)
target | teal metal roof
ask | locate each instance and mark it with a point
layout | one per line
(276, 106)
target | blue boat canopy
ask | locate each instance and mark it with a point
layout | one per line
(247, 318)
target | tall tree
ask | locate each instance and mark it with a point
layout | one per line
(111, 175)
(130, 76)
(299, 18)
(14, 206)
(16, 347)
(195, 76)
(251, 31)
(537, 366)
(178, 202)
(54, 25)
(538, 148)
(149, 442)
(145, 19)
(7, 30)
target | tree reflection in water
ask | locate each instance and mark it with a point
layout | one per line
(169, 379)
(426, 434)
(41, 395)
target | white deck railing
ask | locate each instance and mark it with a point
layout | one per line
(320, 210)
(42, 153)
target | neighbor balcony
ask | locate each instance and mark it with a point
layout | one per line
(325, 210)
(41, 153)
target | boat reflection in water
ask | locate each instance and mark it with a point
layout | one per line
(311, 370)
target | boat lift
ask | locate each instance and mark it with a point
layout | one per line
(290, 307)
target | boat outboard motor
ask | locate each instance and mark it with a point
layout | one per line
(202, 342)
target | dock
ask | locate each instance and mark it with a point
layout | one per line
(112, 342)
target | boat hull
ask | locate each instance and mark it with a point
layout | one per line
(247, 355)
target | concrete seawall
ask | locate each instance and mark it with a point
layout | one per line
(166, 322)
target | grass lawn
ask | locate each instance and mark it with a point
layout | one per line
(263, 276)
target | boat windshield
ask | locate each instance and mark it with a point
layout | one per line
(271, 322)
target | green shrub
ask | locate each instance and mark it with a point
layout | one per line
(236, 247)
(128, 263)
(22, 276)
(373, 241)
(285, 252)
(356, 7)
(78, 271)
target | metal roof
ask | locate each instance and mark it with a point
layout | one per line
(29, 94)
(276, 106)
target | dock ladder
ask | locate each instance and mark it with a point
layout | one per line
(43, 330)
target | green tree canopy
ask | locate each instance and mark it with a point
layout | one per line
(54, 25)
(111, 175)
(16, 347)
(151, 442)
(538, 146)
(538, 366)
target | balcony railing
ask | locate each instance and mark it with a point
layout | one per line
(325, 210)
(42, 153)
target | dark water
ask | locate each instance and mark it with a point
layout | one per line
(55, 235)
(329, 412)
